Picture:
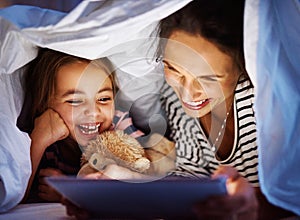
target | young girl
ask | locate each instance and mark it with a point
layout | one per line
(69, 100)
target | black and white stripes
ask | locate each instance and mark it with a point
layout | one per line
(194, 155)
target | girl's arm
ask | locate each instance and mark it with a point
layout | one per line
(114, 171)
(48, 128)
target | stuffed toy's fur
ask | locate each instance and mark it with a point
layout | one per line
(156, 158)
(113, 147)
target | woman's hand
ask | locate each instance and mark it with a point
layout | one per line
(46, 192)
(49, 128)
(240, 203)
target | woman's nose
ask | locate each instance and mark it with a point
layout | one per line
(190, 88)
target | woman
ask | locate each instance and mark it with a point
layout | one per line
(209, 96)
(209, 99)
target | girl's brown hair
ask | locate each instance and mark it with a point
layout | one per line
(40, 82)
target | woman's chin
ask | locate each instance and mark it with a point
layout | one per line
(195, 113)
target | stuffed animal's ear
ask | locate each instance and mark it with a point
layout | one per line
(161, 152)
(95, 161)
(94, 164)
(141, 165)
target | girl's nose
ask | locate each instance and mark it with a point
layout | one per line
(92, 110)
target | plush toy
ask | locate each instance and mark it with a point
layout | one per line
(113, 147)
(116, 147)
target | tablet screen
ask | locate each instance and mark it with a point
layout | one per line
(165, 198)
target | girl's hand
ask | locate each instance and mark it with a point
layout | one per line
(49, 128)
(240, 203)
(46, 192)
(73, 210)
(113, 171)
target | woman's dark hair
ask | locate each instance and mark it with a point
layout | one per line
(218, 21)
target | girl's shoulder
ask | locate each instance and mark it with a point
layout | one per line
(123, 121)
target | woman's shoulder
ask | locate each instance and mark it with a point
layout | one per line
(244, 83)
(244, 91)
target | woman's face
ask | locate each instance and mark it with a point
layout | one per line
(84, 99)
(201, 75)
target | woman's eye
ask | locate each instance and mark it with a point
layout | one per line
(170, 68)
(208, 78)
(172, 72)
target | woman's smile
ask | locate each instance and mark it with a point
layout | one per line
(196, 105)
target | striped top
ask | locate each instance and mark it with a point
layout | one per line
(123, 121)
(195, 157)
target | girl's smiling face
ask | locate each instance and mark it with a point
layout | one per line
(202, 76)
(84, 98)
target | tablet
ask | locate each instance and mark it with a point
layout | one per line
(165, 198)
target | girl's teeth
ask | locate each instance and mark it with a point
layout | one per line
(89, 132)
(90, 126)
(89, 129)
